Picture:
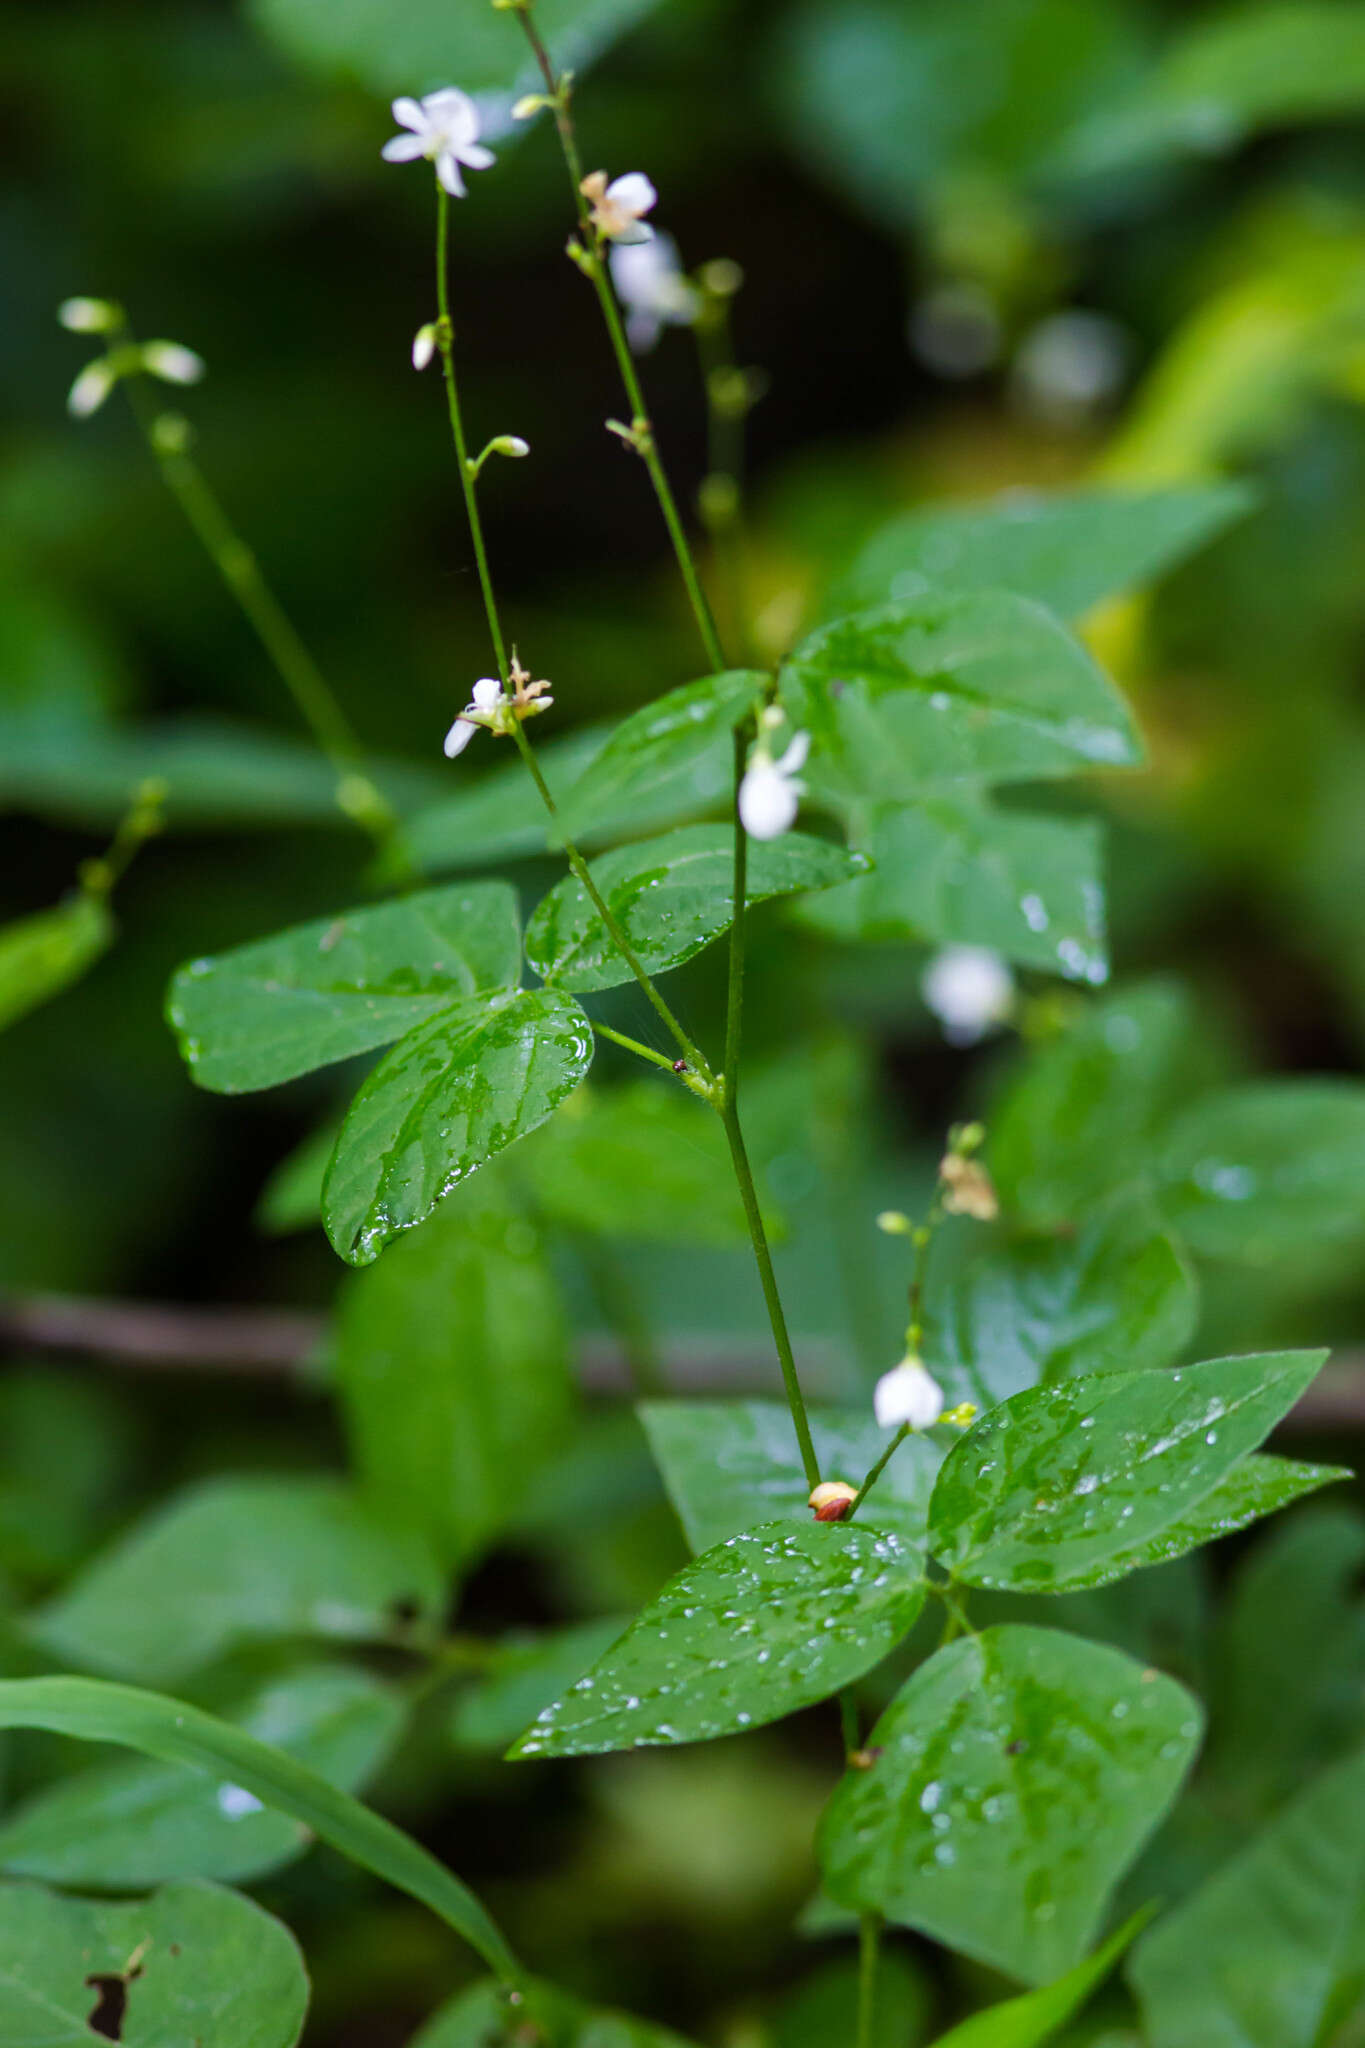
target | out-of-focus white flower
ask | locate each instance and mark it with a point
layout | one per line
(424, 345)
(908, 1393)
(88, 316)
(91, 388)
(770, 792)
(650, 285)
(618, 208)
(172, 361)
(444, 128)
(1070, 366)
(481, 710)
(968, 988)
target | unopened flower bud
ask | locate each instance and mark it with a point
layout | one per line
(968, 1189)
(90, 389)
(832, 1500)
(530, 103)
(510, 444)
(89, 316)
(424, 345)
(961, 1417)
(909, 1393)
(895, 1223)
(172, 361)
(721, 277)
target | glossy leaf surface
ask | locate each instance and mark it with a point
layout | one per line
(130, 1824)
(758, 1627)
(91, 1710)
(671, 897)
(974, 686)
(976, 1823)
(525, 1677)
(1259, 1956)
(677, 749)
(1057, 1485)
(236, 1560)
(1065, 549)
(210, 1967)
(1116, 1297)
(456, 1092)
(342, 985)
(730, 1464)
(952, 871)
(453, 1368)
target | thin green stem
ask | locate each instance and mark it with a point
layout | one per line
(758, 1236)
(139, 823)
(445, 334)
(869, 1955)
(734, 992)
(877, 1470)
(642, 437)
(642, 1052)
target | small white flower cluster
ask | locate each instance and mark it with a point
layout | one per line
(969, 989)
(498, 709)
(770, 792)
(443, 128)
(909, 1393)
(171, 361)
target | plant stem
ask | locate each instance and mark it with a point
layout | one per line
(869, 1947)
(446, 341)
(758, 1237)
(734, 990)
(642, 1052)
(643, 437)
(877, 1470)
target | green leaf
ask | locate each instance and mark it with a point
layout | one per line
(1256, 1486)
(1269, 1171)
(455, 1092)
(677, 750)
(325, 991)
(1058, 1485)
(951, 870)
(1222, 80)
(453, 1368)
(816, 2012)
(1087, 1111)
(1256, 1958)
(92, 1710)
(238, 1560)
(760, 1626)
(191, 1963)
(1065, 549)
(428, 43)
(730, 1464)
(640, 1162)
(1017, 1775)
(292, 1196)
(1117, 1296)
(525, 1677)
(479, 2017)
(670, 896)
(1029, 2021)
(954, 686)
(131, 1824)
(44, 954)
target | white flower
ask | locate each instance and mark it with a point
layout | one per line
(172, 361)
(770, 792)
(90, 389)
(650, 285)
(968, 988)
(908, 1393)
(618, 208)
(88, 316)
(445, 129)
(424, 345)
(486, 698)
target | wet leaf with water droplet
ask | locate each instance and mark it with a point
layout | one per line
(1117, 1297)
(1270, 1171)
(342, 985)
(951, 870)
(454, 1093)
(951, 686)
(1067, 1486)
(730, 1464)
(1019, 1774)
(1260, 1955)
(678, 745)
(761, 1625)
(671, 897)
